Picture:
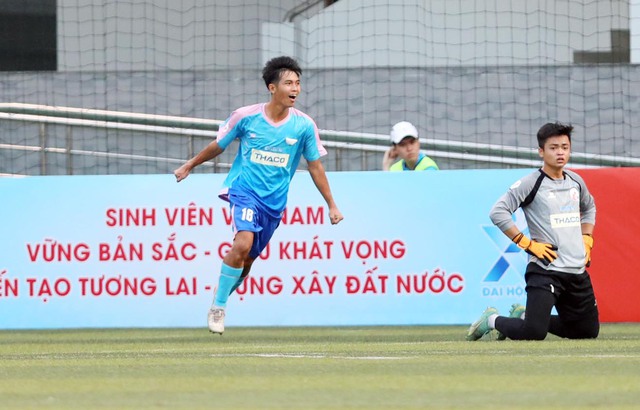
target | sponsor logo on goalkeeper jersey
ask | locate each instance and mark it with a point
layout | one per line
(574, 194)
(273, 159)
(566, 220)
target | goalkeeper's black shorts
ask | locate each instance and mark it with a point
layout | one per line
(574, 294)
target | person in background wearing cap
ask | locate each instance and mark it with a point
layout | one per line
(406, 147)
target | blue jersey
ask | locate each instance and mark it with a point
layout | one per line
(268, 154)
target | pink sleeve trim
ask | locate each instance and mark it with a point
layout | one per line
(236, 116)
(321, 148)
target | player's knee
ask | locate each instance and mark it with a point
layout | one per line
(587, 328)
(590, 332)
(534, 333)
(585, 336)
(237, 254)
(241, 249)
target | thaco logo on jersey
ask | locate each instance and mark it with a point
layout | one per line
(275, 159)
(565, 220)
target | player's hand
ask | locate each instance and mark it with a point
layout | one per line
(588, 245)
(181, 173)
(391, 153)
(335, 216)
(390, 156)
(546, 252)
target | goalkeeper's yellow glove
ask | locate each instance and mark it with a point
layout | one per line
(543, 251)
(588, 245)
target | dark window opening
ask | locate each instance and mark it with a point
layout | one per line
(28, 35)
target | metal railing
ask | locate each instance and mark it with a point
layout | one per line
(197, 127)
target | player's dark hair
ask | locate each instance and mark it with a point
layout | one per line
(553, 129)
(273, 69)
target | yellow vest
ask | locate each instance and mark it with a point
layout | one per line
(424, 164)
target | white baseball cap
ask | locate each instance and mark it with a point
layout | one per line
(401, 130)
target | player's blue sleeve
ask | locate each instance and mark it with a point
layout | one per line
(313, 149)
(230, 130)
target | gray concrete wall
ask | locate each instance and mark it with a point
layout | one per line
(110, 35)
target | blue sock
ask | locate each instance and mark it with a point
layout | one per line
(228, 278)
(237, 285)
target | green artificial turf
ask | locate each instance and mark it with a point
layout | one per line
(315, 368)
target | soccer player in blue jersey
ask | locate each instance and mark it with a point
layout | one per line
(273, 136)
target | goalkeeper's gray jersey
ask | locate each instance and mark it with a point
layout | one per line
(554, 216)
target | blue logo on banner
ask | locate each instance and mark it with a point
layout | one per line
(511, 257)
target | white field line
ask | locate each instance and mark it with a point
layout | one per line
(412, 356)
(587, 356)
(322, 356)
(311, 356)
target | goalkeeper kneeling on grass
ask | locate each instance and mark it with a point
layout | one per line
(560, 214)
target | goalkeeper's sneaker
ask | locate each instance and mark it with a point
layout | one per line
(481, 327)
(215, 320)
(516, 312)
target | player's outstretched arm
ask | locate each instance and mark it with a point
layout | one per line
(208, 153)
(319, 176)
